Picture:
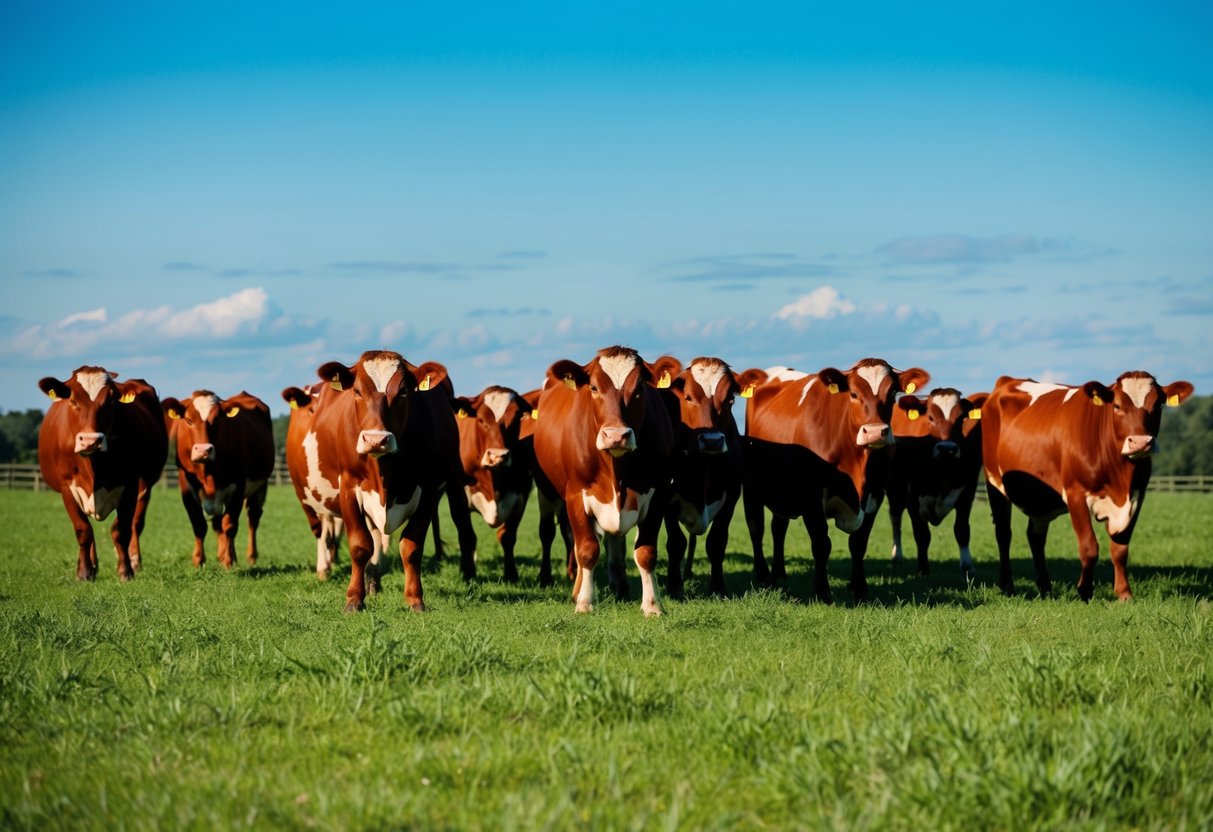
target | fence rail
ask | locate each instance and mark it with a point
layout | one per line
(14, 475)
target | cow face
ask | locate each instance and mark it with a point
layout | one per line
(92, 398)
(481, 443)
(381, 383)
(1136, 401)
(944, 416)
(871, 386)
(706, 391)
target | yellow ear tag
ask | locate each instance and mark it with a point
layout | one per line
(335, 383)
(53, 396)
(569, 383)
(535, 414)
(833, 388)
(425, 383)
(975, 414)
(172, 414)
(911, 415)
(748, 393)
(911, 387)
(231, 414)
(461, 414)
(127, 398)
(664, 381)
(293, 404)
(1097, 401)
(1172, 401)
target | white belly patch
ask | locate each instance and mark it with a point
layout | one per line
(844, 517)
(383, 518)
(98, 504)
(1117, 517)
(609, 519)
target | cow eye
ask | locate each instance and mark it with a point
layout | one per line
(593, 388)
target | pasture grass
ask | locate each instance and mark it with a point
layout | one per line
(206, 699)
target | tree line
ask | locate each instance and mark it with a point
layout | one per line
(1185, 445)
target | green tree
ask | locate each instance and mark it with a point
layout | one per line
(19, 435)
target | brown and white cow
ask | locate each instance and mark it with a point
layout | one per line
(497, 465)
(935, 469)
(379, 453)
(325, 525)
(102, 446)
(707, 468)
(552, 515)
(603, 443)
(225, 456)
(818, 447)
(1051, 449)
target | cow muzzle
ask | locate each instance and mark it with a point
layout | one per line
(88, 444)
(874, 435)
(495, 458)
(376, 442)
(1136, 447)
(202, 453)
(712, 442)
(616, 441)
(946, 450)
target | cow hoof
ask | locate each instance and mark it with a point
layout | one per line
(583, 608)
(373, 588)
(651, 611)
(354, 606)
(416, 606)
(322, 576)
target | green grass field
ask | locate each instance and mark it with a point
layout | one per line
(213, 700)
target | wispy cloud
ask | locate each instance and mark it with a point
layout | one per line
(182, 266)
(507, 312)
(819, 304)
(734, 270)
(51, 273)
(395, 267)
(961, 248)
(1190, 306)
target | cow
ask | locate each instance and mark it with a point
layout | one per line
(935, 469)
(1053, 449)
(603, 441)
(102, 445)
(379, 453)
(551, 506)
(497, 467)
(817, 446)
(707, 468)
(225, 456)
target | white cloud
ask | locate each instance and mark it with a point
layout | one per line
(821, 303)
(92, 316)
(223, 318)
(393, 332)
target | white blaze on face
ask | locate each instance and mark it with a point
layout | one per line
(380, 371)
(874, 375)
(93, 383)
(205, 405)
(708, 376)
(498, 401)
(1137, 389)
(1036, 389)
(618, 368)
(946, 402)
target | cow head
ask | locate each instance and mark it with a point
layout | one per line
(92, 398)
(945, 416)
(613, 383)
(1135, 404)
(481, 442)
(871, 386)
(706, 391)
(199, 420)
(302, 398)
(381, 383)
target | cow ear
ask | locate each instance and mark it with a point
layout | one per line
(55, 389)
(1177, 392)
(972, 405)
(748, 380)
(231, 408)
(569, 373)
(463, 407)
(912, 405)
(296, 398)
(664, 370)
(1097, 393)
(834, 380)
(429, 375)
(339, 376)
(912, 379)
(172, 407)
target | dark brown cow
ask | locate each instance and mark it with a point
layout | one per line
(384, 452)
(817, 447)
(707, 468)
(935, 469)
(496, 463)
(1085, 451)
(225, 456)
(102, 445)
(603, 441)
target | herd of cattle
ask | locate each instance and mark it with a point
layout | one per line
(613, 446)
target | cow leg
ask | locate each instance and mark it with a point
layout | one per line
(779, 536)
(378, 565)
(547, 535)
(86, 559)
(439, 548)
(255, 503)
(617, 575)
(715, 543)
(361, 545)
(121, 533)
(507, 537)
(230, 529)
(412, 542)
(819, 539)
(755, 521)
(585, 549)
(1088, 545)
(675, 548)
(1038, 534)
(1120, 563)
(922, 538)
(1000, 514)
(858, 545)
(193, 510)
(896, 510)
(461, 516)
(223, 541)
(961, 530)
(645, 555)
(688, 570)
(141, 504)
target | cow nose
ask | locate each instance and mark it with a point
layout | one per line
(712, 442)
(1138, 446)
(874, 435)
(376, 442)
(88, 444)
(946, 450)
(616, 440)
(202, 452)
(496, 458)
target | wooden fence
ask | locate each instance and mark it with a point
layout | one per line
(13, 475)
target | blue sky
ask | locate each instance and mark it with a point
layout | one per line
(227, 195)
